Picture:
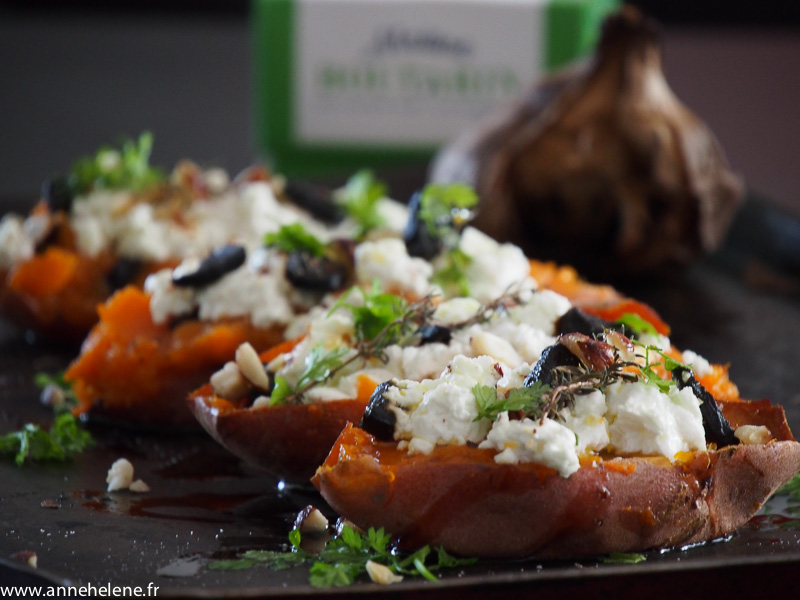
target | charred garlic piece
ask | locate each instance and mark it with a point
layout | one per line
(437, 214)
(220, 262)
(718, 429)
(378, 419)
(311, 520)
(316, 199)
(603, 166)
(327, 272)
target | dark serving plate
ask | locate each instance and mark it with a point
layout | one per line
(205, 504)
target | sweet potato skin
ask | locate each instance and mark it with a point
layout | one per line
(458, 497)
(289, 441)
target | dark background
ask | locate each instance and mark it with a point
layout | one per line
(74, 75)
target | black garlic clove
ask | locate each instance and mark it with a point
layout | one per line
(552, 357)
(316, 199)
(378, 419)
(430, 334)
(123, 273)
(57, 193)
(419, 240)
(718, 429)
(315, 273)
(577, 321)
(221, 261)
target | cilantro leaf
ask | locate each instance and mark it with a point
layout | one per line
(62, 442)
(324, 575)
(61, 386)
(792, 488)
(446, 205)
(637, 324)
(320, 363)
(529, 400)
(294, 237)
(125, 168)
(280, 391)
(378, 311)
(359, 198)
(624, 558)
(231, 564)
(452, 275)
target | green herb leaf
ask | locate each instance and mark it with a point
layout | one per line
(637, 324)
(792, 488)
(447, 561)
(320, 363)
(294, 237)
(359, 198)
(276, 560)
(57, 381)
(110, 168)
(378, 312)
(280, 391)
(231, 564)
(530, 400)
(439, 205)
(623, 558)
(452, 275)
(62, 442)
(324, 575)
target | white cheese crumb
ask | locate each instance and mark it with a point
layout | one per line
(700, 365)
(387, 260)
(15, 245)
(494, 267)
(644, 420)
(549, 443)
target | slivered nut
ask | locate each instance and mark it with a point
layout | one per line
(229, 382)
(496, 347)
(753, 434)
(251, 367)
(382, 574)
(139, 486)
(311, 520)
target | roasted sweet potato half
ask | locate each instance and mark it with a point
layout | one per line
(458, 497)
(140, 372)
(289, 441)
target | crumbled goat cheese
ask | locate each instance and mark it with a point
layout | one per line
(387, 260)
(15, 245)
(586, 417)
(700, 365)
(493, 267)
(443, 410)
(644, 420)
(549, 443)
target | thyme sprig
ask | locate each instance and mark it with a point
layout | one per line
(408, 321)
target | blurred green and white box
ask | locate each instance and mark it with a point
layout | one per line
(344, 84)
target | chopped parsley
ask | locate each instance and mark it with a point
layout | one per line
(64, 439)
(624, 558)
(359, 198)
(344, 558)
(127, 167)
(637, 324)
(379, 312)
(452, 274)
(293, 238)
(446, 205)
(320, 364)
(530, 400)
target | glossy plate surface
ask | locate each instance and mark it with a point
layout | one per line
(205, 504)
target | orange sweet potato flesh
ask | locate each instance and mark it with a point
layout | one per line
(289, 441)
(135, 370)
(458, 497)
